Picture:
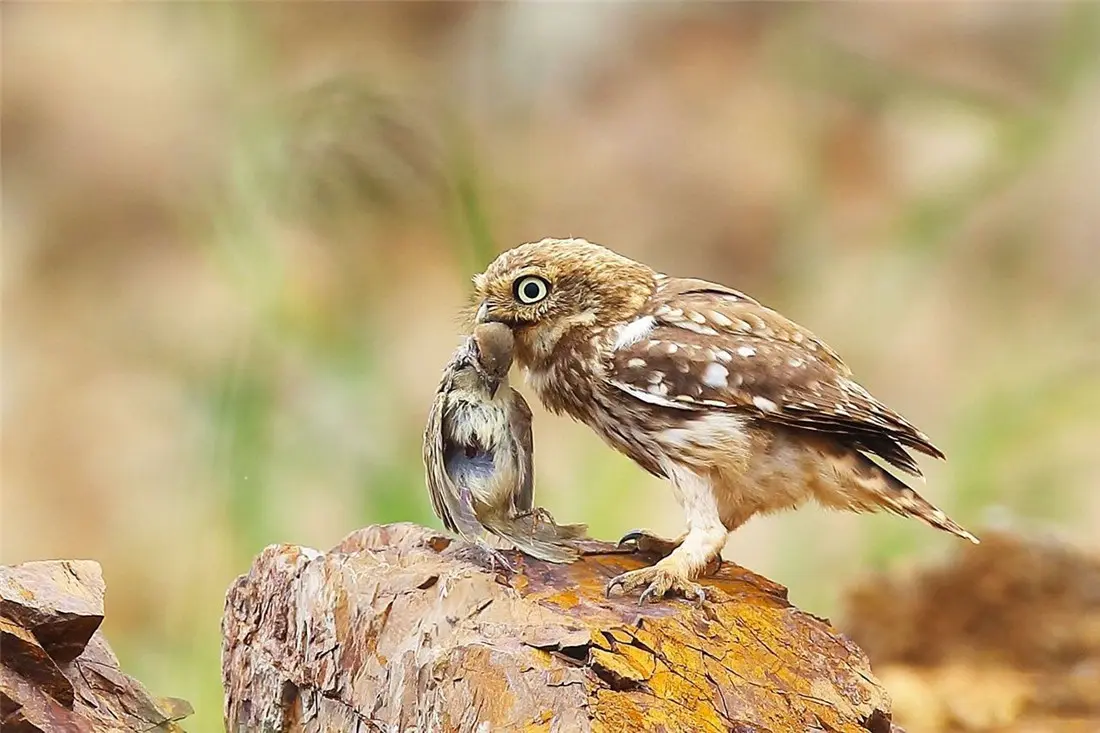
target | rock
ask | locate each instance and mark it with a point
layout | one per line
(57, 672)
(390, 628)
(59, 601)
(1002, 636)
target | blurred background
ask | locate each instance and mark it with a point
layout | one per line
(236, 237)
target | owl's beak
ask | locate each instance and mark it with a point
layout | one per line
(483, 312)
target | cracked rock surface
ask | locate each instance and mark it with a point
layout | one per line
(57, 672)
(389, 631)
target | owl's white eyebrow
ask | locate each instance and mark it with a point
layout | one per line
(634, 331)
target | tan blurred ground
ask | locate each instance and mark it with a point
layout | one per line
(234, 239)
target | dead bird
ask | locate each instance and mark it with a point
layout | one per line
(478, 454)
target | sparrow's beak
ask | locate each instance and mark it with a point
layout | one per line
(483, 312)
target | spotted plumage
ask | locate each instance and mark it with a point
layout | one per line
(743, 410)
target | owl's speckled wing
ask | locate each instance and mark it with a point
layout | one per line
(452, 504)
(519, 417)
(702, 346)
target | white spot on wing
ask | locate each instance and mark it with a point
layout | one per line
(765, 404)
(723, 356)
(658, 388)
(715, 375)
(635, 331)
(696, 328)
(650, 398)
(720, 319)
(636, 363)
(746, 351)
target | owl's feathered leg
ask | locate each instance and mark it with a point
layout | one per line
(703, 542)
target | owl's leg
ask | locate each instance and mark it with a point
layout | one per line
(703, 542)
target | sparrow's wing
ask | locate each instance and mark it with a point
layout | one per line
(453, 504)
(519, 419)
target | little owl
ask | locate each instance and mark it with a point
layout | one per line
(743, 411)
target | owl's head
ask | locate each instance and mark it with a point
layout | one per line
(546, 290)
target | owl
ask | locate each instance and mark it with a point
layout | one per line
(743, 411)
(478, 450)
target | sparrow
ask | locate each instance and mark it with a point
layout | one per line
(478, 451)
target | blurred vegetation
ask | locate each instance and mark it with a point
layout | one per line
(236, 238)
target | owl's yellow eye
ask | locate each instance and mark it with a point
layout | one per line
(530, 289)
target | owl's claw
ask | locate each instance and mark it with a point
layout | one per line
(659, 582)
(647, 543)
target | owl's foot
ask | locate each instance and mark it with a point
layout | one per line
(649, 544)
(659, 581)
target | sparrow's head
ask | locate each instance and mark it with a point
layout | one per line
(545, 290)
(491, 349)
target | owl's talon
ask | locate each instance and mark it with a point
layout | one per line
(658, 582)
(648, 543)
(612, 584)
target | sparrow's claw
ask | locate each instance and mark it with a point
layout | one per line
(481, 554)
(648, 543)
(658, 581)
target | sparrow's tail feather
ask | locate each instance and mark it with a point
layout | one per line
(539, 536)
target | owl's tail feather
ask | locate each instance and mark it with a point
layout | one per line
(537, 535)
(901, 499)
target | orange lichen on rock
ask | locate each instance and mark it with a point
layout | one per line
(541, 649)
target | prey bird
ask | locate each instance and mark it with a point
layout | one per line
(743, 411)
(478, 454)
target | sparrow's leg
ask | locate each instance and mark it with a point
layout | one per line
(703, 542)
(483, 555)
(537, 513)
